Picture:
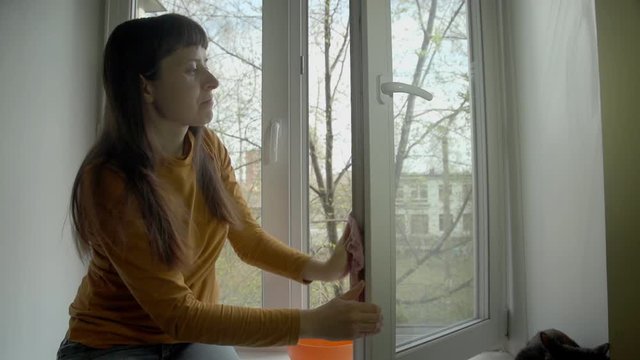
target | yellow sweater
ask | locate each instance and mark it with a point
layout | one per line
(127, 297)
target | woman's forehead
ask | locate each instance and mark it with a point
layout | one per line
(188, 53)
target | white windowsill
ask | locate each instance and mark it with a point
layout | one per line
(278, 353)
(281, 354)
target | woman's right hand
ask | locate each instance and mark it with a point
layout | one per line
(342, 318)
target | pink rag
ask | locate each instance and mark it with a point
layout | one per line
(353, 244)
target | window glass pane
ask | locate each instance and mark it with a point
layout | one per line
(329, 134)
(433, 144)
(234, 28)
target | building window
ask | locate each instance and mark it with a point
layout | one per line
(467, 222)
(445, 221)
(444, 191)
(419, 224)
(424, 194)
(466, 188)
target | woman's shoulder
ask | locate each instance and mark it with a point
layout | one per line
(212, 143)
(210, 137)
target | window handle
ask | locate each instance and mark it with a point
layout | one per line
(387, 87)
(274, 137)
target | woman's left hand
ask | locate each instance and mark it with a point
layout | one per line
(335, 268)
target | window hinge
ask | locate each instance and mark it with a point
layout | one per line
(301, 65)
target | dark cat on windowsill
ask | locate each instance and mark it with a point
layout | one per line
(553, 344)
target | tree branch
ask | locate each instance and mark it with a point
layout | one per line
(239, 138)
(246, 164)
(345, 40)
(342, 172)
(444, 33)
(316, 169)
(405, 129)
(315, 190)
(235, 55)
(335, 88)
(432, 127)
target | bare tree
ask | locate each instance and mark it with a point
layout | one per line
(328, 179)
(329, 33)
(439, 129)
(322, 149)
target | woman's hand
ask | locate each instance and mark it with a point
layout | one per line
(335, 268)
(342, 318)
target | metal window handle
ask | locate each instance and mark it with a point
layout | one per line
(274, 136)
(389, 87)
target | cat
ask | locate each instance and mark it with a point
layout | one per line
(553, 344)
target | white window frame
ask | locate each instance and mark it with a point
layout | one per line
(115, 12)
(285, 205)
(373, 202)
(284, 211)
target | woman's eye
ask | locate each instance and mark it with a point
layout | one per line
(194, 70)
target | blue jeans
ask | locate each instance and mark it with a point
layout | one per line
(70, 350)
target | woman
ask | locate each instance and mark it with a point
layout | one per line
(153, 203)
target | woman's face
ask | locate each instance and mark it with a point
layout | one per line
(182, 93)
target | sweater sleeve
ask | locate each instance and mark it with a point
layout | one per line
(162, 293)
(252, 244)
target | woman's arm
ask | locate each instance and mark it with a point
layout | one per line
(162, 292)
(254, 245)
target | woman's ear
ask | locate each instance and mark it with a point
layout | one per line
(147, 90)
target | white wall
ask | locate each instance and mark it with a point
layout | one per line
(556, 104)
(49, 71)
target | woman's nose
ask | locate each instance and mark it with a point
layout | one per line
(212, 83)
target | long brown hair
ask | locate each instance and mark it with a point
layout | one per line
(135, 48)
